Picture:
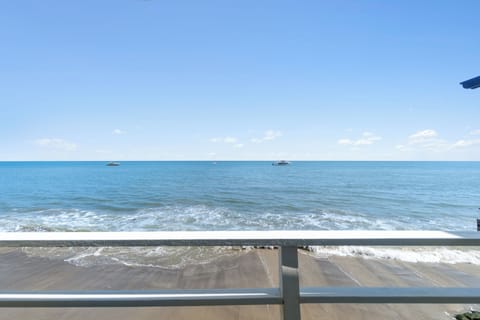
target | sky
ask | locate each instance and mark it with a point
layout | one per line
(239, 80)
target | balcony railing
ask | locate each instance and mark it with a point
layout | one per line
(289, 294)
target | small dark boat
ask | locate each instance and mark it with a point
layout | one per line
(281, 163)
(113, 164)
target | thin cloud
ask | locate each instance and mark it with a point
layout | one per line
(345, 141)
(56, 143)
(429, 140)
(402, 147)
(269, 135)
(118, 132)
(475, 132)
(465, 143)
(367, 138)
(227, 140)
(422, 136)
(470, 140)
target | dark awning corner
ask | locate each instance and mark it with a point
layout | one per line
(472, 83)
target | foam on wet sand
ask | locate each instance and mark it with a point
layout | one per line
(253, 268)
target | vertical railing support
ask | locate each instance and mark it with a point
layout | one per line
(289, 283)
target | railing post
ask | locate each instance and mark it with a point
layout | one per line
(289, 283)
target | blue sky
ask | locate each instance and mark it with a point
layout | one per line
(246, 80)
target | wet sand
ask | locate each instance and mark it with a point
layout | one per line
(255, 268)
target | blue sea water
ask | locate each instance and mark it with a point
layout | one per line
(159, 196)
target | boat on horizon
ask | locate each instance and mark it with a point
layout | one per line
(281, 163)
(113, 164)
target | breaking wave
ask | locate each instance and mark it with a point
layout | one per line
(203, 217)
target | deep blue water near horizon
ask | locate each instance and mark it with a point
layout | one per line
(244, 195)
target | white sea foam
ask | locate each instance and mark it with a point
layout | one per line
(407, 254)
(176, 257)
(203, 217)
(191, 217)
(54, 220)
(159, 257)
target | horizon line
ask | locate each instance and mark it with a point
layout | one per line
(226, 160)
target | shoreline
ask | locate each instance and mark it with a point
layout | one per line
(251, 268)
(165, 257)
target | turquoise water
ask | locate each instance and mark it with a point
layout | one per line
(155, 196)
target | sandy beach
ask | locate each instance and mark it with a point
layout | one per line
(253, 268)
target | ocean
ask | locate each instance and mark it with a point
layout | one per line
(246, 195)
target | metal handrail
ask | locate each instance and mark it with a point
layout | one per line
(289, 294)
(239, 238)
